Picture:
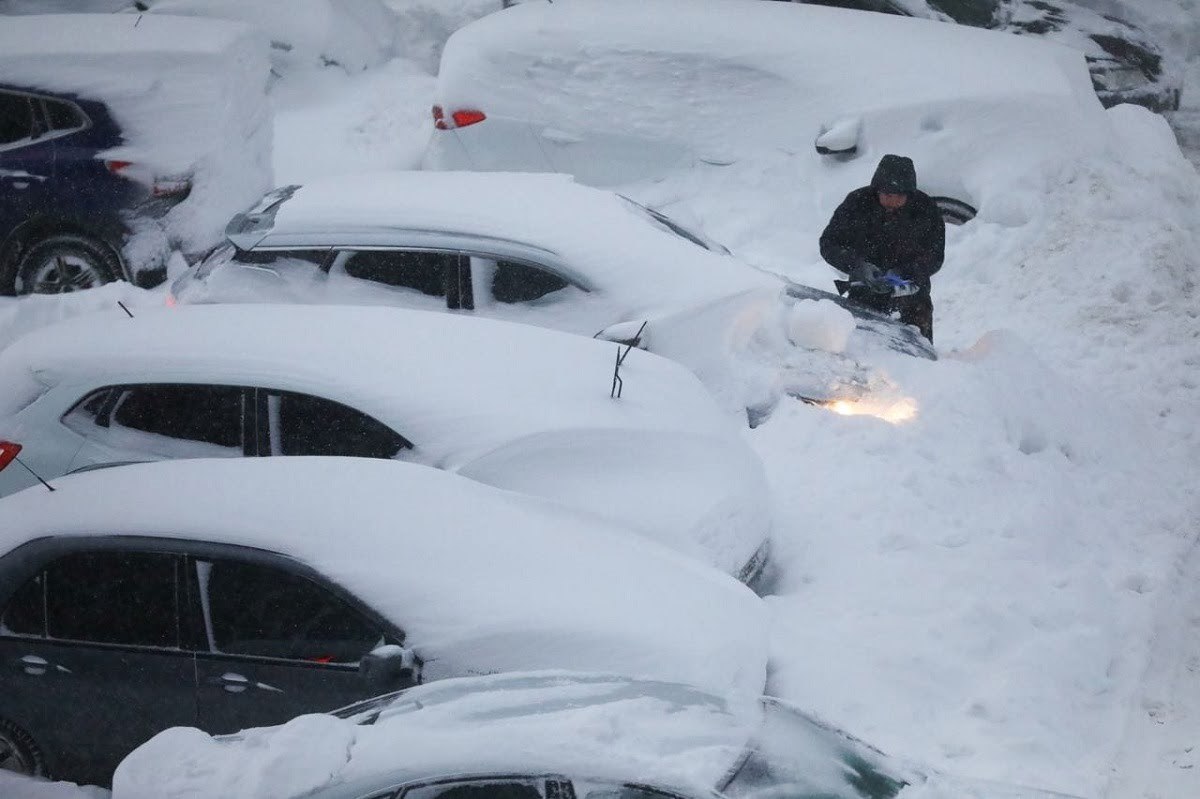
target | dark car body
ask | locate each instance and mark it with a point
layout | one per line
(56, 187)
(105, 641)
(1126, 65)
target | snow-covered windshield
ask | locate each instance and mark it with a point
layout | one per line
(980, 13)
(795, 756)
(664, 222)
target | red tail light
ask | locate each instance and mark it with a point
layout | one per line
(464, 118)
(8, 452)
(458, 119)
(439, 118)
(117, 167)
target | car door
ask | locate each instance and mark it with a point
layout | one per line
(26, 160)
(91, 657)
(158, 421)
(279, 642)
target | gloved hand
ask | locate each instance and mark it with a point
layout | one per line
(865, 272)
(871, 276)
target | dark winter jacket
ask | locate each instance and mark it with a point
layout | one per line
(910, 241)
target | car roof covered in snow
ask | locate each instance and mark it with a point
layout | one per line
(576, 724)
(179, 87)
(456, 387)
(604, 242)
(478, 578)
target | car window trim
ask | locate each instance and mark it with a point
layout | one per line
(39, 109)
(265, 433)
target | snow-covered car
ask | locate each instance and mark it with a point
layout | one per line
(513, 406)
(542, 735)
(123, 139)
(543, 250)
(229, 594)
(622, 91)
(1126, 64)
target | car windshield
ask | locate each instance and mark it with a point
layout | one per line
(980, 13)
(796, 757)
(664, 222)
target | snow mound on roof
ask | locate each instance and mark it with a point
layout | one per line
(704, 82)
(351, 34)
(188, 94)
(458, 387)
(503, 582)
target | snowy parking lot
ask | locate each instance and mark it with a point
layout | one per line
(1004, 587)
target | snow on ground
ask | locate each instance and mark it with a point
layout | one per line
(13, 786)
(999, 588)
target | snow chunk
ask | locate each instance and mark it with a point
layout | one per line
(821, 325)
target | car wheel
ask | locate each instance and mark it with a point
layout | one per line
(64, 263)
(18, 752)
(955, 212)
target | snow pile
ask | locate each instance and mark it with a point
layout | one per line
(189, 96)
(15, 786)
(821, 325)
(351, 34)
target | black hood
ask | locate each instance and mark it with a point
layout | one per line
(895, 174)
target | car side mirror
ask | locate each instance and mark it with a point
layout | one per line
(389, 668)
(631, 334)
(840, 138)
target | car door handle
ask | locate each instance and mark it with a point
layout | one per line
(236, 683)
(231, 682)
(34, 666)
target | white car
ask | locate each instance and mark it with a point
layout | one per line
(621, 91)
(229, 594)
(543, 735)
(546, 251)
(513, 406)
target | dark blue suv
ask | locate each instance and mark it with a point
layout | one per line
(64, 210)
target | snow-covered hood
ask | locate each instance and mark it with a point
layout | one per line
(479, 579)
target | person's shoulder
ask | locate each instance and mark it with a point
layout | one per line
(925, 204)
(860, 196)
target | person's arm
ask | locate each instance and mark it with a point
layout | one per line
(837, 242)
(933, 250)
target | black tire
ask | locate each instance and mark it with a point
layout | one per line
(63, 263)
(955, 212)
(18, 752)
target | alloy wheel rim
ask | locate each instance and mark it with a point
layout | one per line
(62, 274)
(12, 758)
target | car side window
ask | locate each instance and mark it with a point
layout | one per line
(25, 613)
(485, 788)
(424, 271)
(64, 116)
(301, 424)
(172, 420)
(106, 597)
(17, 120)
(265, 612)
(514, 282)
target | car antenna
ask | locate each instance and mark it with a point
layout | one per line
(35, 474)
(618, 384)
(126, 310)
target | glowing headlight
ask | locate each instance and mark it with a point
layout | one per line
(894, 411)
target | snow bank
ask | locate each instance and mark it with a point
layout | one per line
(15, 786)
(188, 94)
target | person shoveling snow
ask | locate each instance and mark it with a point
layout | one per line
(889, 239)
